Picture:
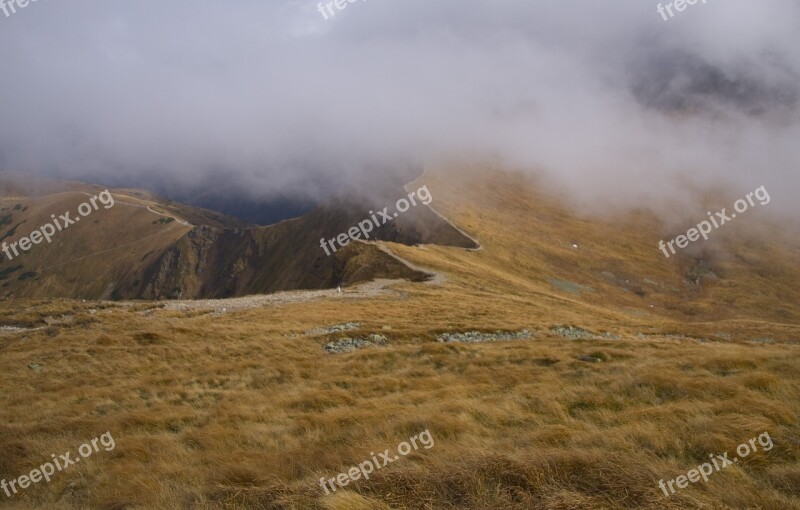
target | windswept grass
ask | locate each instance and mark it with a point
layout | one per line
(243, 410)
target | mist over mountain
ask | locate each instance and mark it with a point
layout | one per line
(259, 212)
(275, 101)
(680, 82)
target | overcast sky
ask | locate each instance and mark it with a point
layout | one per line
(267, 96)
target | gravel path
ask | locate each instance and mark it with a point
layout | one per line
(362, 291)
(436, 278)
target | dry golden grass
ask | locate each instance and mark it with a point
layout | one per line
(243, 410)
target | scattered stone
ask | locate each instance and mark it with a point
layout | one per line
(16, 329)
(478, 337)
(11, 329)
(347, 344)
(338, 328)
(589, 359)
(575, 333)
(35, 367)
(572, 332)
(53, 321)
(672, 336)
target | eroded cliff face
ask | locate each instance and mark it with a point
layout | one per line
(213, 263)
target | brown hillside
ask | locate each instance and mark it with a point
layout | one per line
(237, 404)
(145, 247)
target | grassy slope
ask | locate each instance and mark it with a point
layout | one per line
(243, 410)
(86, 257)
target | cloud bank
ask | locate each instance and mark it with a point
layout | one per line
(268, 99)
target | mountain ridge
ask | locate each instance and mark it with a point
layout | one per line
(189, 252)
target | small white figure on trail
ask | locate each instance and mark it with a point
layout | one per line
(339, 289)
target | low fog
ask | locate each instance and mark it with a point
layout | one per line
(267, 99)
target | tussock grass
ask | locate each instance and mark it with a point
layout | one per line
(244, 411)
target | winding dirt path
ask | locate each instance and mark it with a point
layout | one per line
(362, 291)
